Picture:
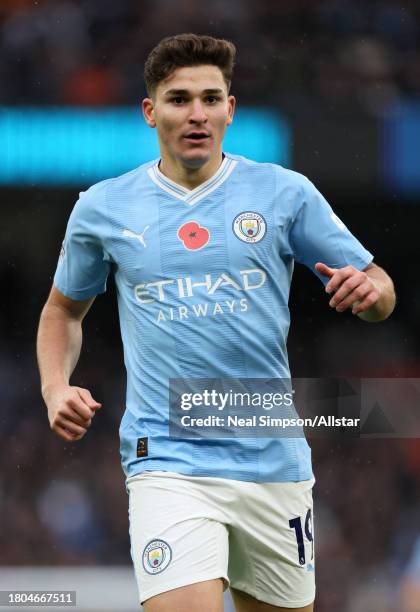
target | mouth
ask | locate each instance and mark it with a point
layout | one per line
(196, 137)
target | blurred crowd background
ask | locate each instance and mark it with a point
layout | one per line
(300, 52)
(66, 504)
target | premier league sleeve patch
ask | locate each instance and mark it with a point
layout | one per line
(249, 227)
(157, 555)
(62, 253)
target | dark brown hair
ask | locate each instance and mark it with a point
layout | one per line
(188, 50)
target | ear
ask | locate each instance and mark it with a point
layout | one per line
(148, 109)
(231, 109)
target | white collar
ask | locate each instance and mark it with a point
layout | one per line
(192, 196)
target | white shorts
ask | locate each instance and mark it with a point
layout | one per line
(257, 537)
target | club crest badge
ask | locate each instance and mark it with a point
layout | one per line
(157, 555)
(249, 227)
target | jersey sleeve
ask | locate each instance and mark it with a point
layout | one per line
(318, 235)
(84, 265)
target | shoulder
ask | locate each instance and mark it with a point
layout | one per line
(284, 176)
(290, 190)
(95, 195)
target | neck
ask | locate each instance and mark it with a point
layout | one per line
(189, 177)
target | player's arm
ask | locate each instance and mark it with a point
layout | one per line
(70, 409)
(369, 292)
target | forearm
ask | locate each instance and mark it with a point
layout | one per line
(385, 304)
(58, 346)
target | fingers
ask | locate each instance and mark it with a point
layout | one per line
(357, 296)
(67, 436)
(340, 275)
(369, 300)
(63, 433)
(71, 411)
(76, 410)
(343, 291)
(70, 426)
(352, 288)
(324, 269)
(88, 399)
(81, 407)
(68, 430)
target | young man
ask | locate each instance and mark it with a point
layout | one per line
(202, 246)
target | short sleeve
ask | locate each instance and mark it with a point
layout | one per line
(83, 265)
(318, 235)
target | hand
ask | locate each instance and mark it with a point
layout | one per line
(352, 288)
(70, 411)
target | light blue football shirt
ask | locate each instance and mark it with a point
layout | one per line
(203, 280)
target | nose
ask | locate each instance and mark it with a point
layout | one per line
(198, 112)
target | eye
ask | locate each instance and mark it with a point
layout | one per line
(212, 99)
(178, 100)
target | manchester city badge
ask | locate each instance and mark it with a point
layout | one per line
(157, 555)
(249, 227)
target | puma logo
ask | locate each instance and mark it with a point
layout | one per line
(140, 237)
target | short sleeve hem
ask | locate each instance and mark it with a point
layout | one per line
(80, 295)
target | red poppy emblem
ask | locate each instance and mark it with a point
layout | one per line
(193, 235)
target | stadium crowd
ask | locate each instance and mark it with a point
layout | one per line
(300, 53)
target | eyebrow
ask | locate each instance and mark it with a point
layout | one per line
(183, 92)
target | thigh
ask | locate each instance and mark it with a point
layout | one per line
(272, 545)
(175, 540)
(204, 596)
(245, 603)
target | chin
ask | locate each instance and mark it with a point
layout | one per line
(195, 162)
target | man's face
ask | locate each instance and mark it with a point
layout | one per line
(191, 110)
